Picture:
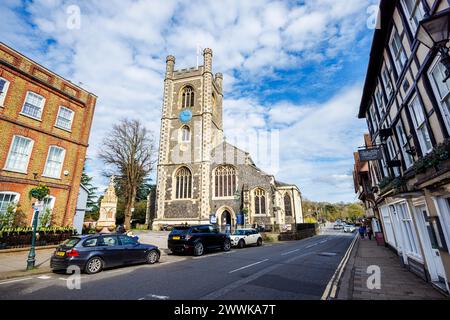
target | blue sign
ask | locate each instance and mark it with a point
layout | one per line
(240, 219)
(185, 115)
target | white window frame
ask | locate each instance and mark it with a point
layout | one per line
(374, 118)
(5, 92)
(393, 154)
(441, 100)
(397, 56)
(411, 239)
(443, 210)
(416, 106)
(388, 226)
(387, 82)
(16, 194)
(58, 176)
(404, 145)
(41, 106)
(30, 151)
(51, 207)
(71, 118)
(411, 16)
(379, 101)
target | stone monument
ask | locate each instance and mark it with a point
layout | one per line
(107, 219)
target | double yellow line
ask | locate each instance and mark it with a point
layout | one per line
(332, 286)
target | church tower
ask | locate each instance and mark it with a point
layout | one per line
(191, 126)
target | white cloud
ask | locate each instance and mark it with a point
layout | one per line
(120, 50)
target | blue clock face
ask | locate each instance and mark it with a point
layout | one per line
(185, 116)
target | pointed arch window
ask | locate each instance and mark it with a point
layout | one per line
(187, 100)
(185, 134)
(225, 181)
(260, 201)
(287, 205)
(183, 183)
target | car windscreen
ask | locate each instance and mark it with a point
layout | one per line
(180, 231)
(240, 233)
(70, 243)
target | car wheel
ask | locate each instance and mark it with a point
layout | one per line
(259, 242)
(198, 249)
(152, 257)
(94, 265)
(241, 244)
(227, 245)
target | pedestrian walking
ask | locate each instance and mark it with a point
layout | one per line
(369, 232)
(362, 232)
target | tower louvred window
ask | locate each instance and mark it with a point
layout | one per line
(183, 183)
(187, 100)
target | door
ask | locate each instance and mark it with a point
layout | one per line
(112, 250)
(429, 240)
(131, 250)
(252, 236)
(226, 221)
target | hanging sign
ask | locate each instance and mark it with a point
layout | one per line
(371, 154)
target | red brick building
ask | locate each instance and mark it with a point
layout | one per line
(45, 122)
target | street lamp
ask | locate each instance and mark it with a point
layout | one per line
(32, 253)
(434, 32)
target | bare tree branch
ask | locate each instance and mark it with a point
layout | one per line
(130, 150)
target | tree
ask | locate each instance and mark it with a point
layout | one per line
(129, 148)
(86, 181)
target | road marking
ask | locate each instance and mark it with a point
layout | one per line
(212, 255)
(250, 265)
(154, 296)
(312, 245)
(289, 252)
(331, 288)
(215, 295)
(44, 277)
(17, 280)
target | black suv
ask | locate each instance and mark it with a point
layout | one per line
(197, 239)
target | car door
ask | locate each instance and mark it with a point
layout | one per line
(253, 236)
(111, 250)
(132, 251)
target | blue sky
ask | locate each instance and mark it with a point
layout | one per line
(293, 66)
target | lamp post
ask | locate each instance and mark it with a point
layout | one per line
(434, 33)
(39, 193)
(32, 254)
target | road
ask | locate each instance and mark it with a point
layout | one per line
(291, 270)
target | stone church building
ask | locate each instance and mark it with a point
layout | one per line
(203, 179)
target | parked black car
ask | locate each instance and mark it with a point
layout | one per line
(197, 239)
(93, 253)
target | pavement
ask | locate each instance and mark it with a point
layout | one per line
(396, 282)
(13, 264)
(289, 270)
